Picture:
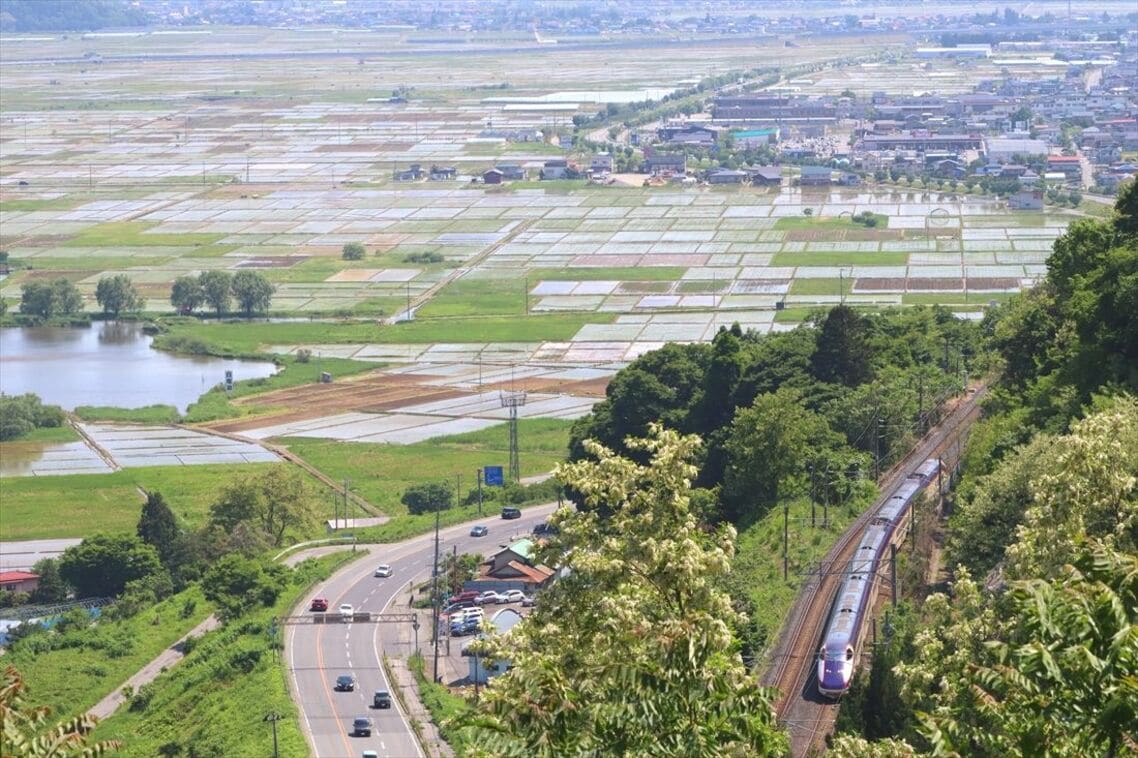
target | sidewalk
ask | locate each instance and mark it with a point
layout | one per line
(108, 705)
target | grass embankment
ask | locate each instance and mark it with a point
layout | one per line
(443, 705)
(150, 414)
(381, 473)
(215, 700)
(42, 435)
(756, 571)
(78, 505)
(72, 671)
(246, 339)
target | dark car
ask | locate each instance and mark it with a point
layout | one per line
(509, 513)
(362, 726)
(382, 699)
(544, 529)
(479, 531)
(319, 604)
(464, 595)
(346, 683)
(458, 606)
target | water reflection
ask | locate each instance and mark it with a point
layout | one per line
(108, 364)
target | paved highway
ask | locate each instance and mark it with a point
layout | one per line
(317, 653)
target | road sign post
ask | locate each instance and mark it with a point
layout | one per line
(495, 476)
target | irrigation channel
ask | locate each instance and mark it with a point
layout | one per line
(806, 714)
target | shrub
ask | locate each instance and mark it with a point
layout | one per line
(303, 355)
(353, 251)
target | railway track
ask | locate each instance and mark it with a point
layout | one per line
(806, 714)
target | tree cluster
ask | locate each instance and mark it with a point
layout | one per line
(218, 289)
(20, 414)
(809, 410)
(116, 294)
(49, 299)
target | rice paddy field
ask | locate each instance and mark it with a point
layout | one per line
(275, 148)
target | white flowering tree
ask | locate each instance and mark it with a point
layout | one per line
(633, 650)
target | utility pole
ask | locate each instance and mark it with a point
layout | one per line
(813, 501)
(785, 520)
(525, 293)
(408, 302)
(346, 502)
(435, 596)
(273, 718)
(479, 475)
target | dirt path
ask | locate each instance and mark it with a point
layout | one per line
(148, 673)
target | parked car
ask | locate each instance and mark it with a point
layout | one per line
(370, 754)
(479, 531)
(489, 597)
(464, 595)
(345, 683)
(381, 699)
(319, 604)
(511, 596)
(461, 605)
(544, 529)
(383, 570)
(510, 513)
(347, 611)
(362, 726)
(529, 601)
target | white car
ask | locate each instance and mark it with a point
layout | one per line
(511, 596)
(347, 611)
(383, 570)
(489, 597)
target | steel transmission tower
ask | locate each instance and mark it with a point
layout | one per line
(513, 401)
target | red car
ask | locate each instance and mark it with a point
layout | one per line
(319, 604)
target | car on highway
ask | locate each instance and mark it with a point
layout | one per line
(319, 604)
(381, 699)
(370, 754)
(345, 683)
(479, 531)
(511, 596)
(347, 611)
(383, 570)
(362, 726)
(509, 513)
(489, 597)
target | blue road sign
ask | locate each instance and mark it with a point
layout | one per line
(494, 476)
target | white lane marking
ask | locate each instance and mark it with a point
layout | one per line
(296, 684)
(395, 701)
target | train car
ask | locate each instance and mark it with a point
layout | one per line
(927, 472)
(894, 510)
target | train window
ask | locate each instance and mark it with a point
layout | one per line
(849, 653)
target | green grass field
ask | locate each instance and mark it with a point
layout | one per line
(620, 274)
(821, 286)
(245, 339)
(79, 505)
(131, 234)
(478, 297)
(975, 299)
(380, 473)
(72, 679)
(840, 259)
(43, 435)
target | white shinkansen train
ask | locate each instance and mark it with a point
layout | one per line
(845, 627)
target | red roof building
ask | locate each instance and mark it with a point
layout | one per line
(19, 581)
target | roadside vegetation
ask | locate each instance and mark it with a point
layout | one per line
(23, 415)
(1033, 647)
(214, 701)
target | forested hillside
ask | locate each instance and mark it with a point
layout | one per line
(1033, 650)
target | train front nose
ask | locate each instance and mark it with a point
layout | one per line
(833, 677)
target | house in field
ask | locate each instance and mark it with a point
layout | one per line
(815, 176)
(557, 168)
(665, 163)
(725, 176)
(19, 581)
(765, 176)
(511, 172)
(1026, 200)
(493, 176)
(412, 173)
(442, 173)
(602, 164)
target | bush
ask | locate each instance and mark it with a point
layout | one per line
(23, 413)
(353, 251)
(303, 355)
(427, 497)
(426, 257)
